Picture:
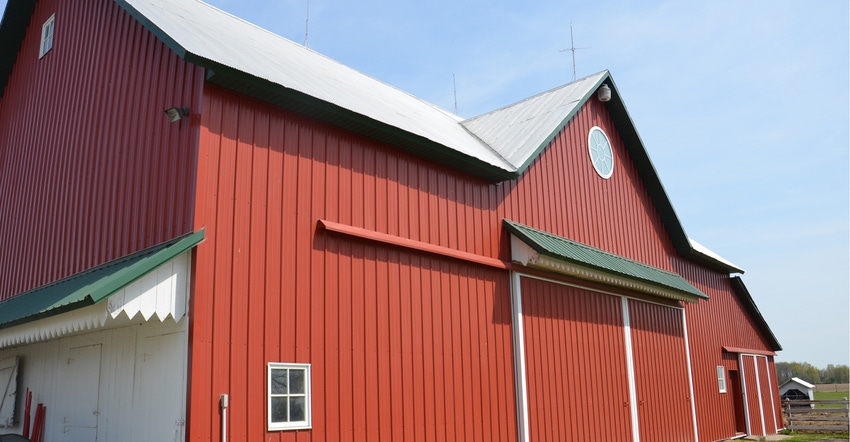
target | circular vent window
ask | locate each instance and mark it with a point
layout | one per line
(601, 155)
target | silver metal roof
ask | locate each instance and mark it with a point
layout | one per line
(519, 131)
(213, 34)
(506, 138)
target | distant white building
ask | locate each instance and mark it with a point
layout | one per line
(797, 389)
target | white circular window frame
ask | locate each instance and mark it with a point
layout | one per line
(591, 152)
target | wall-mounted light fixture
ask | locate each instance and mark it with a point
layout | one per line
(603, 93)
(176, 113)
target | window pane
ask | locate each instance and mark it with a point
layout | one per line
(279, 382)
(296, 407)
(296, 381)
(280, 412)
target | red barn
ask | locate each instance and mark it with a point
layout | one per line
(300, 252)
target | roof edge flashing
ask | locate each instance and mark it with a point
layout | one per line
(154, 29)
(750, 304)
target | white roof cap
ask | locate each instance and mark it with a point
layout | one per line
(703, 250)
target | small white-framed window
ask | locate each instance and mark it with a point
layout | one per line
(289, 396)
(47, 35)
(721, 379)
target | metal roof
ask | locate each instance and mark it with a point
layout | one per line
(496, 146)
(91, 286)
(576, 252)
(520, 131)
(797, 380)
(708, 254)
(208, 33)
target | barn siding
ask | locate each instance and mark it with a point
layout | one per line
(397, 352)
(266, 176)
(615, 215)
(721, 321)
(752, 394)
(575, 391)
(661, 373)
(765, 391)
(90, 167)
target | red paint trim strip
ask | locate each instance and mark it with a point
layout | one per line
(411, 244)
(749, 351)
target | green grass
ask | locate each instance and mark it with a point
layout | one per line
(797, 437)
(831, 396)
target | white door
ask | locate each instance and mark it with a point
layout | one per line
(79, 379)
(161, 387)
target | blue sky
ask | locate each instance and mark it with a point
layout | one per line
(742, 105)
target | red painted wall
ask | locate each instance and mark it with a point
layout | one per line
(765, 391)
(661, 373)
(90, 169)
(403, 346)
(720, 321)
(754, 410)
(561, 193)
(110, 176)
(576, 390)
(267, 277)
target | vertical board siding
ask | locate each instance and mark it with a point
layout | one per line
(720, 321)
(752, 395)
(661, 373)
(397, 339)
(765, 392)
(402, 346)
(615, 215)
(90, 168)
(774, 394)
(575, 390)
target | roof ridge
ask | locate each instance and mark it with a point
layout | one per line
(537, 95)
(332, 60)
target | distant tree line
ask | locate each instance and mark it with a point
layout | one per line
(832, 374)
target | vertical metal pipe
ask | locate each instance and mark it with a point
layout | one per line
(519, 359)
(690, 375)
(224, 400)
(630, 367)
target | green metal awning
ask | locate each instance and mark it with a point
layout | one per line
(588, 262)
(91, 286)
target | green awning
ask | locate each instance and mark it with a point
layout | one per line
(91, 286)
(604, 263)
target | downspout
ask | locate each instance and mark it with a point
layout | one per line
(223, 401)
(520, 381)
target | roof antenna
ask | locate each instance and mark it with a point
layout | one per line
(307, 27)
(454, 82)
(572, 49)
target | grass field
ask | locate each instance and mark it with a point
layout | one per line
(815, 437)
(831, 396)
